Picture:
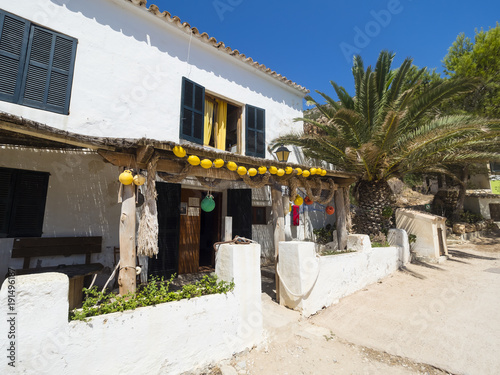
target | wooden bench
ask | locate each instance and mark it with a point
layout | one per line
(32, 247)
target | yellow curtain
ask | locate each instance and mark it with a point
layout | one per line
(221, 125)
(209, 115)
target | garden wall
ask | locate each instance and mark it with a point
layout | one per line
(169, 338)
(310, 282)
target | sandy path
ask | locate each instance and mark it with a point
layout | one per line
(447, 316)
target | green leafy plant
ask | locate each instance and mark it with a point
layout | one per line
(336, 252)
(379, 240)
(470, 217)
(324, 235)
(155, 292)
(387, 212)
(412, 238)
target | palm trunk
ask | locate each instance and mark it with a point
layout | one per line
(374, 211)
(459, 207)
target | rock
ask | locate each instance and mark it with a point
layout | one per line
(470, 228)
(459, 228)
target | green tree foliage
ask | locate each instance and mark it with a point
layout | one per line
(388, 129)
(481, 59)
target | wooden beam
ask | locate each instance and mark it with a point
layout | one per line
(127, 275)
(122, 159)
(279, 231)
(44, 134)
(341, 218)
(144, 153)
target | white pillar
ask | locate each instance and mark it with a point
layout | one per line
(241, 264)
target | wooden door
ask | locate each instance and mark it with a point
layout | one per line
(169, 197)
(239, 207)
(189, 241)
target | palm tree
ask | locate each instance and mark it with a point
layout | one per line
(386, 131)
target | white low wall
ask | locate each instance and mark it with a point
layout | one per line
(310, 282)
(169, 338)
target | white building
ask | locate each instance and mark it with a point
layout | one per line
(88, 87)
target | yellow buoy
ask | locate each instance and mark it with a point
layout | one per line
(241, 171)
(252, 172)
(288, 170)
(179, 151)
(206, 163)
(139, 179)
(280, 172)
(126, 177)
(262, 170)
(273, 170)
(298, 200)
(323, 172)
(299, 171)
(306, 173)
(218, 163)
(290, 208)
(231, 166)
(313, 171)
(193, 160)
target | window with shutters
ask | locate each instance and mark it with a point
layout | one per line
(36, 65)
(256, 131)
(192, 111)
(22, 202)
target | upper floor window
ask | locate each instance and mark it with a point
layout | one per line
(36, 65)
(212, 121)
(256, 131)
(22, 202)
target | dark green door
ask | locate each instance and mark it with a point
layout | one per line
(168, 204)
(239, 207)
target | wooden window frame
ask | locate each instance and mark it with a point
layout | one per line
(54, 94)
(256, 215)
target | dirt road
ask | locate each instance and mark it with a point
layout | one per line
(427, 319)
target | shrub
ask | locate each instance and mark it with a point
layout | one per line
(324, 235)
(155, 292)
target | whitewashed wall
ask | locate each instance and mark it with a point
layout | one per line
(170, 338)
(310, 282)
(81, 200)
(128, 71)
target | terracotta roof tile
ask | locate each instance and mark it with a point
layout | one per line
(204, 37)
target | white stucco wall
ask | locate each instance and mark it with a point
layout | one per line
(81, 200)
(480, 205)
(425, 227)
(129, 68)
(310, 282)
(169, 338)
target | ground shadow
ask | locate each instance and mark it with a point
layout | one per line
(412, 273)
(426, 265)
(462, 254)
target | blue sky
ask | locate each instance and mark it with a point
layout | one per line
(311, 42)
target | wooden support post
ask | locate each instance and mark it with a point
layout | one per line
(279, 230)
(347, 203)
(341, 218)
(126, 278)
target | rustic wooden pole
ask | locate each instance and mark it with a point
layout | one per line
(341, 218)
(347, 203)
(126, 278)
(279, 230)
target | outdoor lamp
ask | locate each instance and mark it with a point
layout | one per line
(282, 153)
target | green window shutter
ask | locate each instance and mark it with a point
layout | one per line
(239, 207)
(255, 131)
(48, 72)
(7, 177)
(192, 111)
(14, 32)
(28, 204)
